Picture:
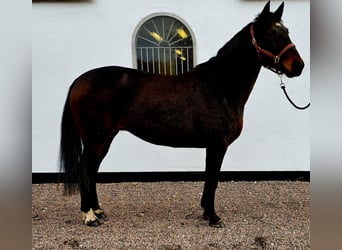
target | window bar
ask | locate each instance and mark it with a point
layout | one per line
(164, 62)
(187, 59)
(176, 62)
(170, 56)
(153, 66)
(146, 39)
(174, 35)
(177, 41)
(170, 29)
(147, 61)
(159, 71)
(182, 62)
(163, 24)
(141, 59)
(155, 27)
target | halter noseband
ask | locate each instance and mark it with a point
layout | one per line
(276, 58)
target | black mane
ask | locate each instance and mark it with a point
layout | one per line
(229, 53)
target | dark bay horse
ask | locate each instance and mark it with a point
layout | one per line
(202, 108)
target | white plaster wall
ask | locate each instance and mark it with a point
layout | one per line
(71, 38)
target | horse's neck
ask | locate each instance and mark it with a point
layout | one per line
(235, 68)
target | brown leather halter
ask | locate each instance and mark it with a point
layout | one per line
(276, 58)
(275, 68)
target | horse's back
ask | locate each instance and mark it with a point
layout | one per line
(107, 77)
(105, 85)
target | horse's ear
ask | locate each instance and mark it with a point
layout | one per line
(266, 9)
(279, 12)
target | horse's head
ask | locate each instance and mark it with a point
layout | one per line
(271, 40)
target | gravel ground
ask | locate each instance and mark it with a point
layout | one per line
(167, 215)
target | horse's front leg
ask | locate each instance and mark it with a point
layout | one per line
(214, 158)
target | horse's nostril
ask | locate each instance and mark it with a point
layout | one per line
(297, 66)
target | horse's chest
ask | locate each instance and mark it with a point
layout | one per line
(229, 123)
(235, 129)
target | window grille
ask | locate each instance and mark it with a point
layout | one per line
(163, 45)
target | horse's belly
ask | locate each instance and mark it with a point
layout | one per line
(170, 138)
(182, 126)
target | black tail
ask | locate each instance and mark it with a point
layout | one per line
(70, 151)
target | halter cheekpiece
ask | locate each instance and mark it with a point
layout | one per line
(275, 68)
(276, 58)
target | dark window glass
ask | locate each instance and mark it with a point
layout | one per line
(164, 46)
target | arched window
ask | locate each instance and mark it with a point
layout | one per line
(164, 45)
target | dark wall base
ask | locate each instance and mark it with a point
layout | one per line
(181, 176)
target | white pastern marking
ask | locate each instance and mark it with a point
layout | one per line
(98, 211)
(89, 216)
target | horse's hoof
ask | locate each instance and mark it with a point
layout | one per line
(218, 224)
(91, 219)
(215, 222)
(94, 223)
(101, 216)
(205, 216)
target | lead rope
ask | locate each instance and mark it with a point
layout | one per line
(282, 86)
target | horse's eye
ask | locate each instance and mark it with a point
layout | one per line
(271, 34)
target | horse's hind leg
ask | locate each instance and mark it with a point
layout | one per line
(93, 153)
(214, 158)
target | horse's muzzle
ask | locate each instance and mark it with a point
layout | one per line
(296, 69)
